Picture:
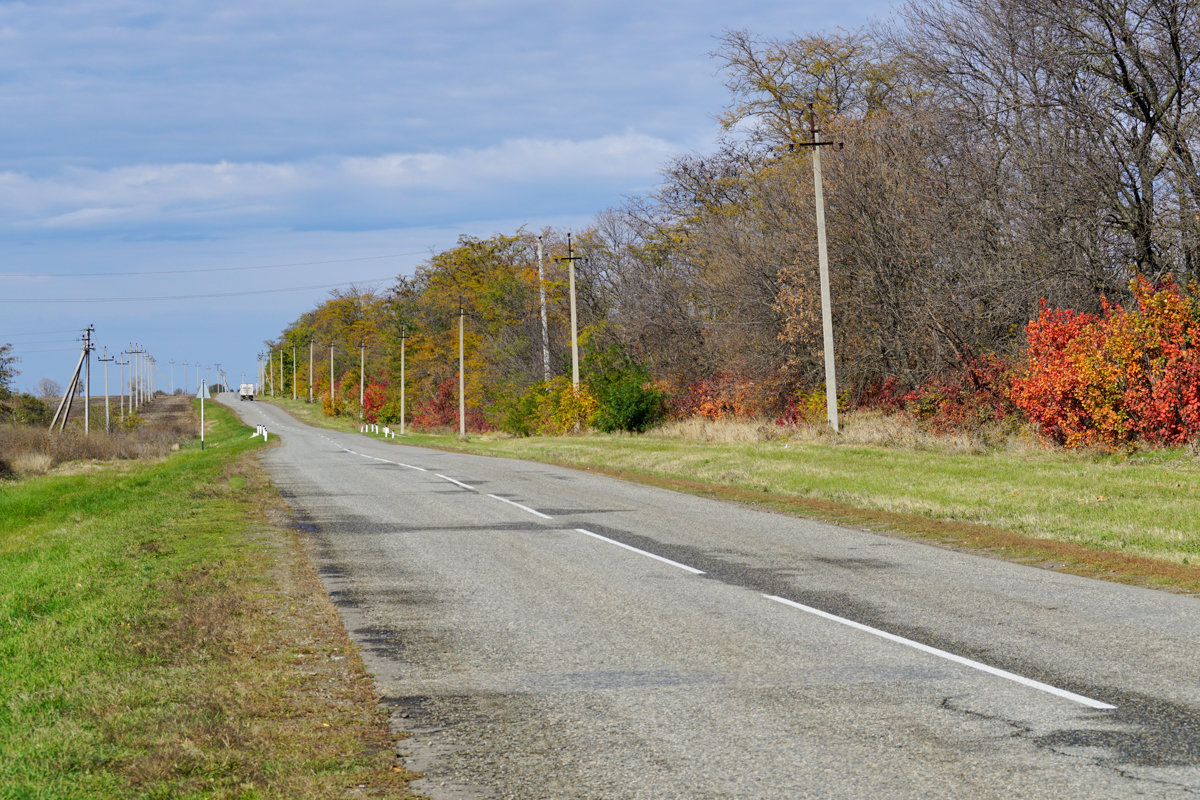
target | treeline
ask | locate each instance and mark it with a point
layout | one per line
(994, 155)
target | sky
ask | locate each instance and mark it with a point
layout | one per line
(189, 177)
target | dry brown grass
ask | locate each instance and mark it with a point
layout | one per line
(858, 428)
(160, 427)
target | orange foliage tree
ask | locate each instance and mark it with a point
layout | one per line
(1117, 377)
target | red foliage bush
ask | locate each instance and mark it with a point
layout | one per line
(374, 399)
(1118, 377)
(720, 396)
(976, 394)
(441, 411)
(883, 396)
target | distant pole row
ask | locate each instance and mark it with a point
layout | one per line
(143, 378)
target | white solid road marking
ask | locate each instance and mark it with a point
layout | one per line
(966, 662)
(685, 567)
(457, 483)
(535, 512)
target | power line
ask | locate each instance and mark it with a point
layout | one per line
(35, 333)
(40, 342)
(203, 269)
(188, 296)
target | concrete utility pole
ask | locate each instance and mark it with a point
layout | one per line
(362, 365)
(69, 395)
(462, 396)
(310, 368)
(185, 366)
(545, 324)
(172, 376)
(121, 398)
(87, 380)
(293, 371)
(332, 403)
(816, 144)
(571, 259)
(133, 378)
(403, 336)
(107, 358)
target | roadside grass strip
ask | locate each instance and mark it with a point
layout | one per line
(159, 637)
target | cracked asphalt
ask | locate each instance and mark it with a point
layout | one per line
(547, 633)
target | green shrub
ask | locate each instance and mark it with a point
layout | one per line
(623, 388)
(24, 409)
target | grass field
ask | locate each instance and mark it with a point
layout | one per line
(1130, 516)
(162, 636)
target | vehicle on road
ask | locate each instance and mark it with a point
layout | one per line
(247, 391)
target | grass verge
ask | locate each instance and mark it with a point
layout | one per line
(1133, 517)
(162, 636)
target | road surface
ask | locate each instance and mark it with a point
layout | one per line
(548, 633)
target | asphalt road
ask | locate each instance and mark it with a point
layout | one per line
(547, 633)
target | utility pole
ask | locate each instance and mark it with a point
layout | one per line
(462, 396)
(121, 398)
(87, 380)
(571, 259)
(816, 144)
(107, 358)
(172, 376)
(220, 375)
(403, 337)
(185, 366)
(310, 369)
(362, 366)
(134, 397)
(293, 370)
(69, 395)
(332, 402)
(545, 324)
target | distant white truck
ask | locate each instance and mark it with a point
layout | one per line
(247, 391)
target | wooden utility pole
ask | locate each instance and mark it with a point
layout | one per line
(816, 144)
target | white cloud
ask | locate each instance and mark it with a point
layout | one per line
(288, 194)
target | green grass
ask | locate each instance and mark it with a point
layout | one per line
(1142, 505)
(1146, 505)
(158, 639)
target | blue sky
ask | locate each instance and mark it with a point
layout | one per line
(154, 152)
